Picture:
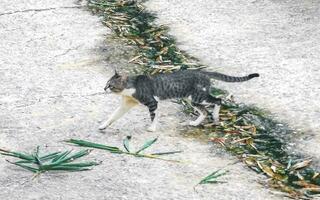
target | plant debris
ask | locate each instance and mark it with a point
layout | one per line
(126, 141)
(245, 131)
(57, 161)
(212, 178)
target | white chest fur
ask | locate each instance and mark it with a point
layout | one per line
(128, 92)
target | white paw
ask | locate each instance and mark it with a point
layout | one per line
(151, 129)
(184, 123)
(194, 123)
(104, 125)
(216, 122)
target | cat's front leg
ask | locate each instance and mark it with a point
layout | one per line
(108, 122)
(154, 123)
(126, 105)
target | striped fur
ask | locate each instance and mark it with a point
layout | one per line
(147, 90)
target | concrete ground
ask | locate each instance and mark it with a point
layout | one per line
(280, 39)
(54, 62)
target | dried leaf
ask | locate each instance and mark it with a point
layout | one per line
(302, 164)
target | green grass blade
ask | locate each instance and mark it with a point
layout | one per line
(17, 155)
(211, 178)
(68, 168)
(147, 145)
(32, 169)
(42, 159)
(165, 153)
(60, 156)
(94, 145)
(25, 161)
(126, 143)
(36, 156)
(75, 156)
(82, 164)
(49, 156)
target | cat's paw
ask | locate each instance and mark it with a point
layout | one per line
(184, 123)
(151, 129)
(216, 122)
(194, 123)
(104, 126)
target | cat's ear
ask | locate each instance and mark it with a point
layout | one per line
(116, 72)
(124, 77)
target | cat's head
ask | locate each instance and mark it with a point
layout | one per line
(117, 82)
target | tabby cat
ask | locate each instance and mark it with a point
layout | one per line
(147, 90)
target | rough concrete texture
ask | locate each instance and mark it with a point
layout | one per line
(54, 64)
(280, 39)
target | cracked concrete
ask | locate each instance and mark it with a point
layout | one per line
(39, 10)
(53, 68)
(279, 39)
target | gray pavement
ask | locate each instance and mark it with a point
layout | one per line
(54, 61)
(280, 39)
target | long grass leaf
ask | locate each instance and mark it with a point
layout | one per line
(19, 155)
(75, 156)
(49, 156)
(32, 169)
(211, 178)
(126, 143)
(60, 156)
(68, 168)
(165, 153)
(83, 164)
(36, 156)
(94, 145)
(147, 145)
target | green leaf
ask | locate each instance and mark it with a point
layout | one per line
(126, 143)
(64, 158)
(68, 168)
(82, 164)
(165, 153)
(60, 157)
(42, 159)
(36, 156)
(32, 169)
(77, 155)
(49, 156)
(146, 145)
(211, 178)
(94, 145)
(19, 155)
(57, 160)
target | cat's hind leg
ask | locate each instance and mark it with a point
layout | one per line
(210, 100)
(202, 116)
(126, 104)
(203, 98)
(152, 105)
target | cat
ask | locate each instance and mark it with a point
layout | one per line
(148, 90)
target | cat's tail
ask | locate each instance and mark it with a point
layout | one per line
(226, 78)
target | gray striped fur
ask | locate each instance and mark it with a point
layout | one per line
(147, 90)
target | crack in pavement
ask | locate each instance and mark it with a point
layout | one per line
(39, 10)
